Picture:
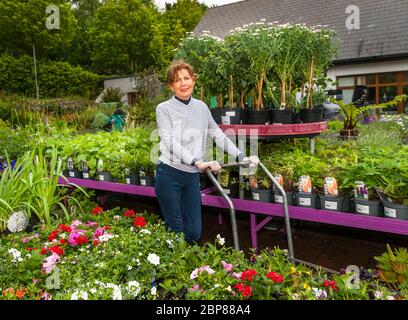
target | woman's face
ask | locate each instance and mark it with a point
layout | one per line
(183, 84)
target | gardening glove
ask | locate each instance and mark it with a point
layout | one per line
(251, 161)
(213, 165)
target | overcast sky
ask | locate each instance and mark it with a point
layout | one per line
(209, 3)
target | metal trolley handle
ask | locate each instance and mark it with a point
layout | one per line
(232, 208)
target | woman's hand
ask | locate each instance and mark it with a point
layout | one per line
(213, 165)
(251, 161)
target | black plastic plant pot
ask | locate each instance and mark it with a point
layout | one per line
(306, 200)
(368, 207)
(331, 203)
(263, 195)
(230, 116)
(311, 115)
(147, 181)
(132, 179)
(232, 190)
(281, 116)
(278, 198)
(262, 116)
(104, 176)
(395, 211)
(216, 114)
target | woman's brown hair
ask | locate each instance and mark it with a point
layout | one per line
(175, 67)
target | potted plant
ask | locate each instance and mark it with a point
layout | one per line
(229, 182)
(131, 168)
(260, 186)
(352, 114)
(317, 55)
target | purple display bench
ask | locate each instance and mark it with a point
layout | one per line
(111, 186)
(314, 215)
(254, 208)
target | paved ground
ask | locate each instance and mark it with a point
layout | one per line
(330, 246)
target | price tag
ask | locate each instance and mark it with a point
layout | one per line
(230, 113)
(71, 174)
(390, 212)
(278, 198)
(227, 191)
(255, 196)
(143, 182)
(331, 205)
(225, 120)
(305, 201)
(101, 177)
(127, 180)
(85, 175)
(363, 209)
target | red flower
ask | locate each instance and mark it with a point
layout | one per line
(30, 249)
(248, 274)
(246, 291)
(53, 235)
(331, 284)
(96, 242)
(62, 241)
(97, 211)
(81, 240)
(275, 277)
(129, 213)
(139, 222)
(106, 228)
(64, 228)
(43, 250)
(58, 250)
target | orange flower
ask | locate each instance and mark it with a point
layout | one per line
(20, 293)
(8, 291)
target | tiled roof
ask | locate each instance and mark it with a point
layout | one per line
(383, 23)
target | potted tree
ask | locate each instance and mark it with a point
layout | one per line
(317, 54)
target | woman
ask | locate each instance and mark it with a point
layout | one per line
(184, 123)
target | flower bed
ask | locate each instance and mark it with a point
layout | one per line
(120, 254)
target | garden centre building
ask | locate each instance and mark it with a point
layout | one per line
(372, 37)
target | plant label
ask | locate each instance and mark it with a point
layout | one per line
(363, 209)
(143, 182)
(85, 175)
(390, 212)
(101, 177)
(227, 191)
(255, 196)
(331, 205)
(230, 113)
(278, 198)
(330, 187)
(127, 180)
(71, 174)
(305, 201)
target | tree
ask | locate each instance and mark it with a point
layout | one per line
(23, 23)
(120, 37)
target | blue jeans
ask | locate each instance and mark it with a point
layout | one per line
(179, 197)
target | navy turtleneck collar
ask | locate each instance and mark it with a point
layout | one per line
(186, 102)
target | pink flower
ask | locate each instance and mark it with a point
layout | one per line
(197, 271)
(227, 267)
(237, 275)
(116, 217)
(50, 262)
(98, 232)
(45, 296)
(74, 237)
(91, 224)
(25, 240)
(75, 223)
(195, 287)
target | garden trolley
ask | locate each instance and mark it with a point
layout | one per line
(291, 254)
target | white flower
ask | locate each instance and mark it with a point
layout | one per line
(129, 268)
(153, 259)
(79, 295)
(319, 293)
(153, 291)
(378, 294)
(220, 240)
(170, 243)
(105, 237)
(17, 222)
(93, 290)
(145, 231)
(15, 254)
(117, 294)
(133, 287)
(390, 298)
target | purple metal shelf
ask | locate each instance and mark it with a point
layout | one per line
(111, 186)
(314, 215)
(256, 207)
